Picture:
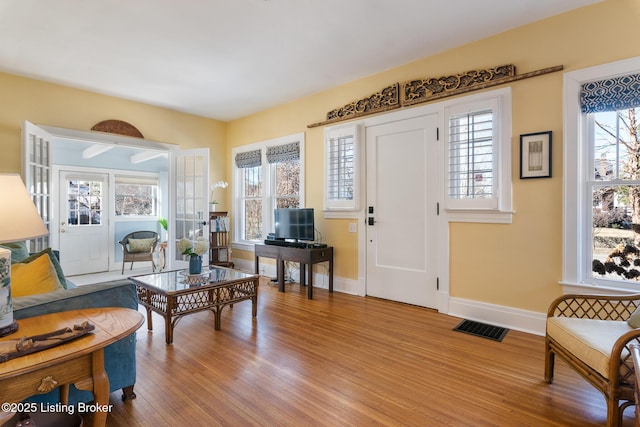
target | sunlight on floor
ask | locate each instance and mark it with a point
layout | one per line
(86, 279)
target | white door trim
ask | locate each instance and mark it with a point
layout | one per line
(442, 237)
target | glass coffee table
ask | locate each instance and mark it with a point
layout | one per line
(174, 294)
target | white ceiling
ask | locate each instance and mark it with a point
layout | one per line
(225, 59)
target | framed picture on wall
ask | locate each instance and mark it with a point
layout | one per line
(535, 155)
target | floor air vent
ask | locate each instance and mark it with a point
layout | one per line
(481, 330)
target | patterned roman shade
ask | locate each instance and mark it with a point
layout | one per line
(618, 93)
(249, 159)
(284, 153)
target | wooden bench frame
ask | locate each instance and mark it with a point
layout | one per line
(602, 307)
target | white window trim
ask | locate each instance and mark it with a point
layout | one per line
(267, 208)
(576, 272)
(141, 178)
(346, 208)
(478, 211)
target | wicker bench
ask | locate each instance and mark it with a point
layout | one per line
(590, 333)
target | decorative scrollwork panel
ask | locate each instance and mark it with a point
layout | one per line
(386, 99)
(421, 90)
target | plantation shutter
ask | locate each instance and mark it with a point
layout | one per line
(340, 168)
(471, 157)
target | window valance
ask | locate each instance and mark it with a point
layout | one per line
(249, 159)
(618, 93)
(284, 153)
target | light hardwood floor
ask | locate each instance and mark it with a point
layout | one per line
(342, 360)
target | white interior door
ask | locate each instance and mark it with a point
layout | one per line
(83, 231)
(189, 202)
(402, 207)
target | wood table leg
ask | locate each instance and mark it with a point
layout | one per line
(148, 307)
(218, 318)
(168, 329)
(100, 389)
(64, 394)
(281, 275)
(310, 282)
(331, 275)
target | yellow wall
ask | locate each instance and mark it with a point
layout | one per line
(520, 264)
(515, 265)
(56, 105)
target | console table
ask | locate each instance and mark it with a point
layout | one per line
(306, 257)
(79, 362)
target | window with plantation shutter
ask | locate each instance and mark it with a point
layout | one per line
(471, 165)
(342, 176)
(477, 149)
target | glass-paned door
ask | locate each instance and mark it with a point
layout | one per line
(189, 202)
(36, 172)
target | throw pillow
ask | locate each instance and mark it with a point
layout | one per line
(141, 245)
(634, 319)
(35, 277)
(54, 262)
(19, 250)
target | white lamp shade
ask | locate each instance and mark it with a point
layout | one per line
(19, 218)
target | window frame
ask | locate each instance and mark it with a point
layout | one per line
(268, 183)
(342, 208)
(497, 209)
(152, 180)
(577, 156)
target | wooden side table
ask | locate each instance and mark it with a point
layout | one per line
(162, 253)
(79, 362)
(305, 256)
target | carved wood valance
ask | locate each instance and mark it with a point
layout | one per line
(430, 89)
(416, 91)
(387, 99)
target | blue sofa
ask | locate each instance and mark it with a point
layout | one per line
(119, 357)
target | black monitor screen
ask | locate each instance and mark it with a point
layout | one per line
(294, 224)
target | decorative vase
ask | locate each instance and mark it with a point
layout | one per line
(213, 207)
(195, 264)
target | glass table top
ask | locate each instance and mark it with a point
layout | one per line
(178, 280)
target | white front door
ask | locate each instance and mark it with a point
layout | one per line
(401, 210)
(83, 230)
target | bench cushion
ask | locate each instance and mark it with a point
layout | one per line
(590, 340)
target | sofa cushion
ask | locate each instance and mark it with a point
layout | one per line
(141, 245)
(35, 277)
(54, 261)
(590, 340)
(19, 250)
(634, 319)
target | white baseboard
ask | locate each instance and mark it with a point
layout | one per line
(320, 278)
(507, 317)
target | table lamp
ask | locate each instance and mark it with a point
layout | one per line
(19, 220)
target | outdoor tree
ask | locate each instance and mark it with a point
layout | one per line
(624, 258)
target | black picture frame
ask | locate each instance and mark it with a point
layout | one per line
(535, 155)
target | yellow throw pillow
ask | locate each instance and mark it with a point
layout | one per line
(36, 277)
